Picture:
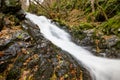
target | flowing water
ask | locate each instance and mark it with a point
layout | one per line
(99, 68)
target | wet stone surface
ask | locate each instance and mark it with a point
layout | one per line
(25, 57)
(99, 44)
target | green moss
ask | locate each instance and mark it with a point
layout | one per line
(33, 8)
(13, 74)
(117, 45)
(81, 27)
(12, 2)
(111, 26)
(77, 31)
(85, 26)
(112, 7)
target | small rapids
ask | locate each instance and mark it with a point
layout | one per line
(99, 68)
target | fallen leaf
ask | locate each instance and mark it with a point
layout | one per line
(1, 54)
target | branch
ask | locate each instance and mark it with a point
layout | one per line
(101, 10)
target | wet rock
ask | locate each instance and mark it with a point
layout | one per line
(12, 51)
(31, 29)
(22, 35)
(110, 40)
(11, 6)
(20, 15)
(98, 43)
(4, 43)
(36, 60)
(13, 74)
(3, 66)
(89, 32)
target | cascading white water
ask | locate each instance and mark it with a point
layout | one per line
(27, 2)
(99, 68)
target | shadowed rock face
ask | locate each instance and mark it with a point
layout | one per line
(12, 7)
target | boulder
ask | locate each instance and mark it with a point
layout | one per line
(11, 6)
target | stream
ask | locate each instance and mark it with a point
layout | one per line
(99, 68)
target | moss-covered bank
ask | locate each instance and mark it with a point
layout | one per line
(95, 24)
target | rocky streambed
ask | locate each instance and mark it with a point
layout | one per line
(26, 55)
(97, 42)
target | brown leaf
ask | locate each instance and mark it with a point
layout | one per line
(1, 54)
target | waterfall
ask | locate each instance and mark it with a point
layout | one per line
(99, 68)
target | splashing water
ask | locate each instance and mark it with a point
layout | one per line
(34, 1)
(99, 68)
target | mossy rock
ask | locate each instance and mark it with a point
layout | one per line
(13, 74)
(12, 2)
(118, 45)
(10, 6)
(77, 31)
(82, 26)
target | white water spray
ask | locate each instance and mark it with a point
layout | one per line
(99, 68)
(34, 1)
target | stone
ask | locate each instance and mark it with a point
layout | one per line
(11, 6)
(20, 14)
(111, 40)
